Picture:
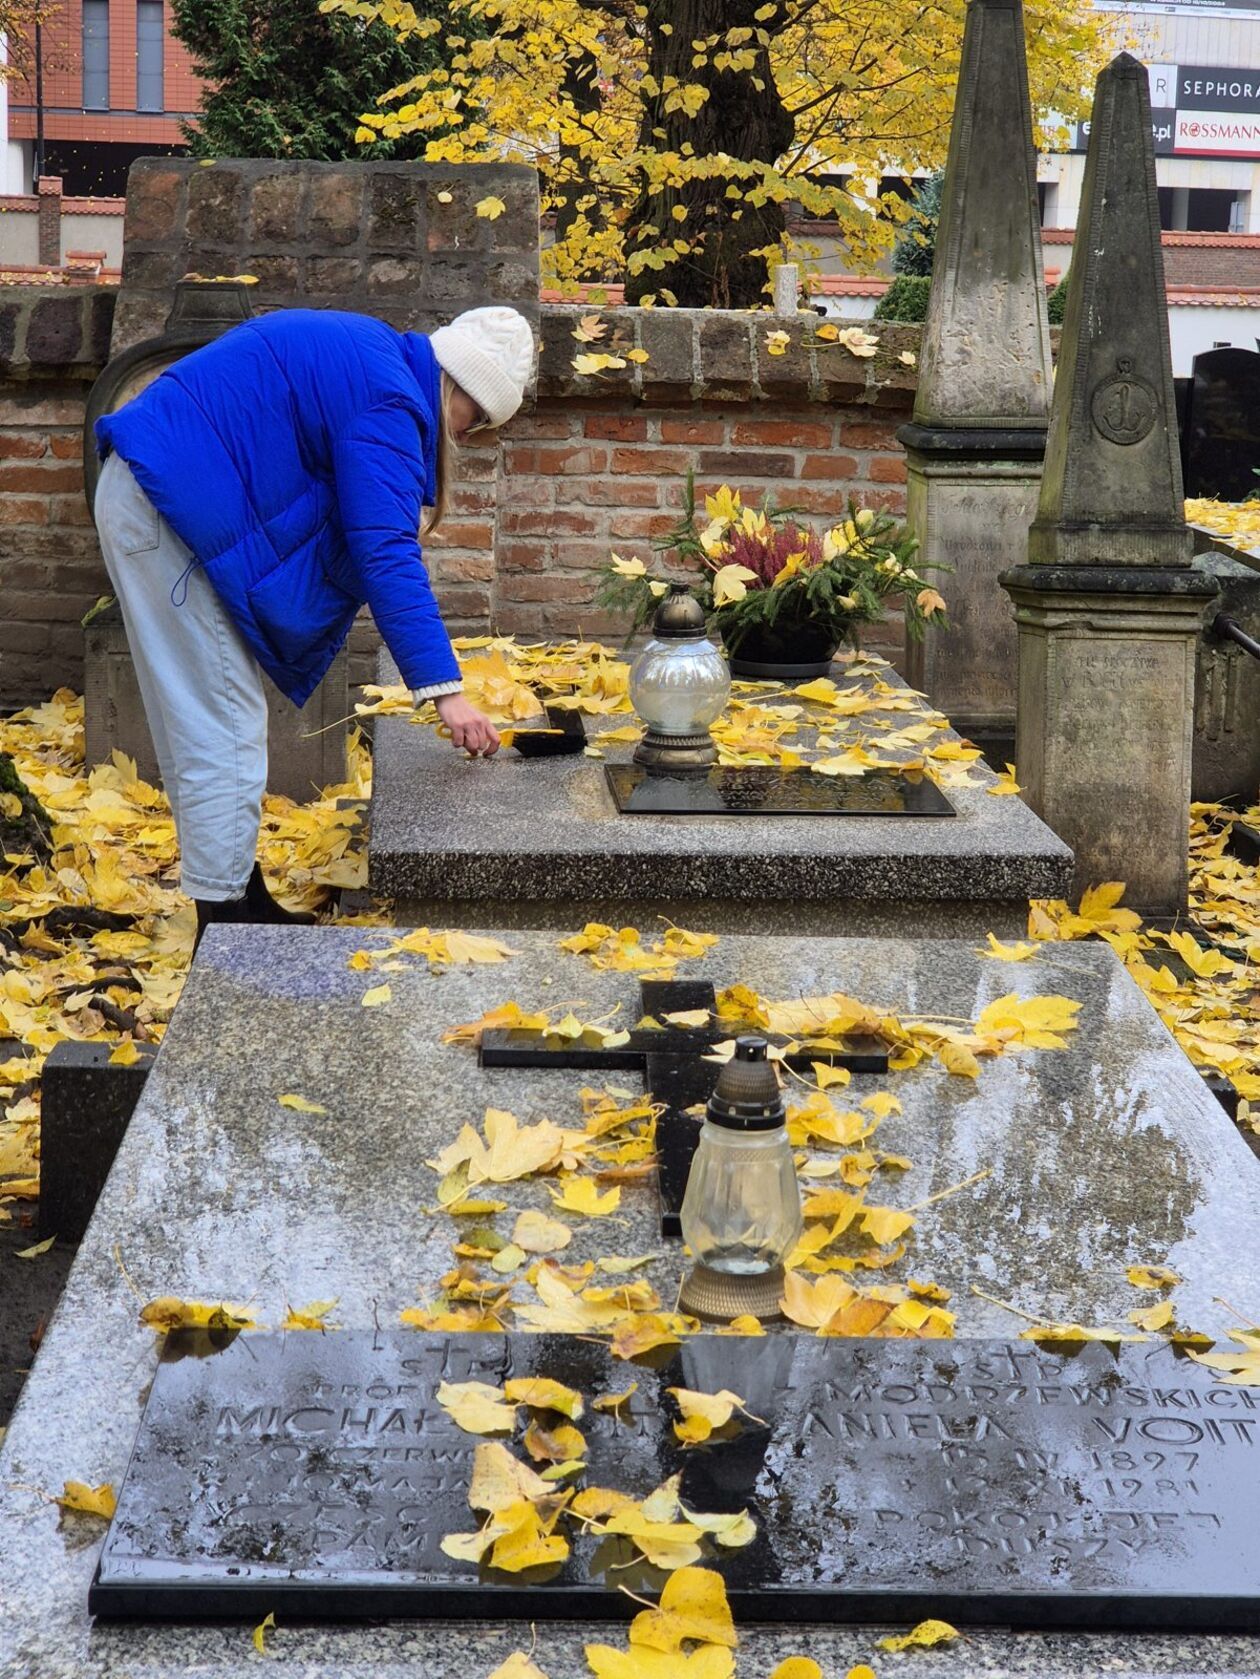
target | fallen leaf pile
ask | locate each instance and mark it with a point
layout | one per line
(1201, 982)
(1237, 521)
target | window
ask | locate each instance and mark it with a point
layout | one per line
(149, 40)
(96, 55)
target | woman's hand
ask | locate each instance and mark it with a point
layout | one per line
(469, 729)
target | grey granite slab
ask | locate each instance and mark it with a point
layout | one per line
(539, 842)
(1102, 1155)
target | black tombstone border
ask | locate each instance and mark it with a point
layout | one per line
(982, 1482)
(762, 791)
(671, 1062)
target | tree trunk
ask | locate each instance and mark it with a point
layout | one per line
(739, 119)
(581, 87)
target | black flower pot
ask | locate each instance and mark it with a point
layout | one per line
(787, 652)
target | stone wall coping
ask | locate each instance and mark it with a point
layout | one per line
(55, 331)
(693, 355)
(724, 355)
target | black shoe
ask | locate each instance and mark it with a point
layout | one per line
(263, 910)
(230, 911)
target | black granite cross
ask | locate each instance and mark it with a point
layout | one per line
(670, 1059)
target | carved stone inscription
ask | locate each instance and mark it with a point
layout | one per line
(975, 1480)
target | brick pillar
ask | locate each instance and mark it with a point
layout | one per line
(49, 189)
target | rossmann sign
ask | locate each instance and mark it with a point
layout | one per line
(1200, 112)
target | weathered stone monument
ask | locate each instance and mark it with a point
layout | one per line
(1109, 608)
(976, 442)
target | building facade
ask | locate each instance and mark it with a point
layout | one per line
(116, 86)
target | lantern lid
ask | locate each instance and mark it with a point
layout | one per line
(679, 617)
(747, 1096)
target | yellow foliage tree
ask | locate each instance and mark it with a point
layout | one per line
(670, 135)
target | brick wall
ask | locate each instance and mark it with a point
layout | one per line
(594, 465)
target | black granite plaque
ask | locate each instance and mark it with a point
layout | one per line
(1221, 443)
(770, 792)
(985, 1482)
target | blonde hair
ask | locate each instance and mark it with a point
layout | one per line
(445, 461)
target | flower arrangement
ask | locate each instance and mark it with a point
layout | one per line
(760, 573)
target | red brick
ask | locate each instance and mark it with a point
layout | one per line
(465, 602)
(657, 462)
(887, 469)
(40, 480)
(516, 619)
(23, 510)
(572, 460)
(16, 445)
(547, 521)
(611, 492)
(817, 500)
(50, 607)
(469, 569)
(829, 466)
(68, 510)
(67, 448)
(577, 556)
(539, 425)
(451, 534)
(620, 428)
(887, 501)
(731, 463)
(865, 434)
(541, 588)
(693, 431)
(641, 524)
(521, 556)
(795, 434)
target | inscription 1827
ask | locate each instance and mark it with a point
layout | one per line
(979, 1481)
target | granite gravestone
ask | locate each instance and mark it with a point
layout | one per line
(769, 792)
(983, 1482)
(1221, 444)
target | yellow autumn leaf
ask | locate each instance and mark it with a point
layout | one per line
(1005, 783)
(376, 995)
(1075, 1332)
(540, 1393)
(1032, 1022)
(799, 1667)
(710, 1661)
(537, 1233)
(169, 1312)
(1152, 1276)
(561, 1443)
(1205, 964)
(828, 1077)
(499, 1479)
(34, 1252)
(703, 1412)
(777, 342)
(1018, 952)
(885, 1224)
(582, 1195)
(268, 1623)
(1155, 1317)
(301, 1105)
(477, 1407)
(517, 1666)
(1238, 1369)
(693, 1609)
(597, 361)
(312, 1316)
(86, 1500)
(126, 1054)
(922, 1637)
(490, 208)
(730, 584)
(590, 329)
(637, 356)
(928, 1291)
(612, 1402)
(929, 601)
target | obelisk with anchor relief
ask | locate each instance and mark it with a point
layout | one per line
(1108, 608)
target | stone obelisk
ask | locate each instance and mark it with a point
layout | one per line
(1108, 607)
(976, 441)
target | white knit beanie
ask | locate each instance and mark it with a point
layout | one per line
(490, 354)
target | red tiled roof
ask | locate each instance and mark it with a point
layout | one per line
(1201, 241)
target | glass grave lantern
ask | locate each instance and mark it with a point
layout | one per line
(678, 687)
(741, 1214)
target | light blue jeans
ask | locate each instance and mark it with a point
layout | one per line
(202, 688)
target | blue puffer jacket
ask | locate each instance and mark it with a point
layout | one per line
(293, 456)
